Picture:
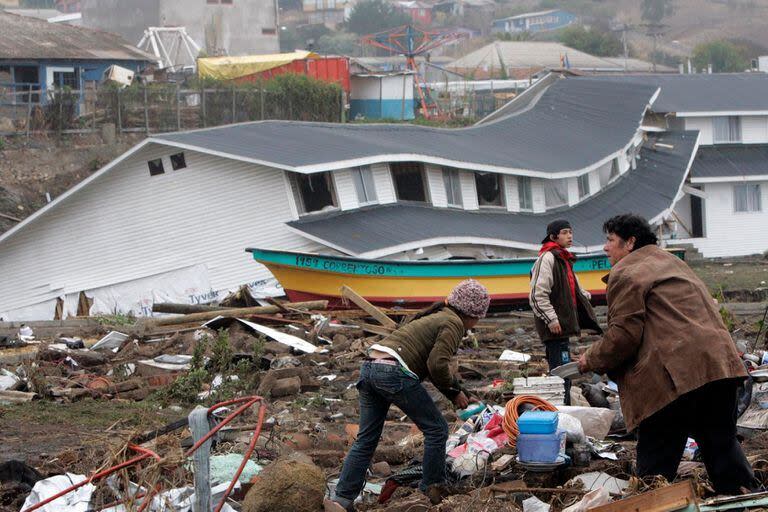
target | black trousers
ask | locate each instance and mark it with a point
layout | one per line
(708, 415)
(558, 354)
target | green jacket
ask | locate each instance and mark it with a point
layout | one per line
(427, 346)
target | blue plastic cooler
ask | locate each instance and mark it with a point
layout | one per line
(537, 422)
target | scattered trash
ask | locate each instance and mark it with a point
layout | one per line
(112, 341)
(597, 480)
(517, 357)
(76, 501)
(534, 504)
(590, 500)
(280, 337)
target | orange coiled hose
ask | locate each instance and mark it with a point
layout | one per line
(511, 415)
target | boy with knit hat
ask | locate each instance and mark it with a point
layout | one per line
(560, 305)
(392, 374)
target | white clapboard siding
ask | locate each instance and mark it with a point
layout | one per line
(728, 233)
(704, 126)
(468, 190)
(385, 187)
(436, 186)
(754, 129)
(127, 224)
(345, 189)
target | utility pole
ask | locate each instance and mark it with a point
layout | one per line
(654, 31)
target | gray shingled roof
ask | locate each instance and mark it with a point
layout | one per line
(727, 161)
(574, 125)
(648, 190)
(22, 37)
(719, 92)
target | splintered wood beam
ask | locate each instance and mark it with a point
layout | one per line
(376, 329)
(376, 313)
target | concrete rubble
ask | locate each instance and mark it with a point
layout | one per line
(304, 362)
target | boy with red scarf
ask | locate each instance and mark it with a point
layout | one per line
(560, 305)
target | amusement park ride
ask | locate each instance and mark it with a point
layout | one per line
(412, 42)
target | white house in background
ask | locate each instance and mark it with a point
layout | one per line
(169, 220)
(725, 209)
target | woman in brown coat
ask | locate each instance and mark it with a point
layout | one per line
(674, 361)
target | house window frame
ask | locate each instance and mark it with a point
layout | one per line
(452, 184)
(583, 184)
(758, 196)
(500, 184)
(175, 164)
(364, 195)
(525, 193)
(159, 167)
(301, 208)
(393, 168)
(738, 131)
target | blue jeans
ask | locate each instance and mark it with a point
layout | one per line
(381, 385)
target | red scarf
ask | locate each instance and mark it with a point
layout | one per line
(568, 258)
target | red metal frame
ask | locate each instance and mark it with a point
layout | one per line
(411, 42)
(246, 402)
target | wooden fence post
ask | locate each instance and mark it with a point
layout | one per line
(233, 105)
(146, 109)
(29, 108)
(61, 110)
(178, 107)
(119, 113)
(261, 99)
(202, 104)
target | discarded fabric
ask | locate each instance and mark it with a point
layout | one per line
(76, 501)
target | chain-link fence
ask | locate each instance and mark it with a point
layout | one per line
(158, 108)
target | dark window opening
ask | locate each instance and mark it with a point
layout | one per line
(156, 167)
(314, 192)
(26, 79)
(62, 79)
(490, 191)
(268, 31)
(409, 181)
(178, 161)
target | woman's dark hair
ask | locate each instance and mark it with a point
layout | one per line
(630, 225)
(434, 308)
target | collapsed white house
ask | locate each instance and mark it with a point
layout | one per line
(169, 220)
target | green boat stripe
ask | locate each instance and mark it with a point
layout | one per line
(354, 266)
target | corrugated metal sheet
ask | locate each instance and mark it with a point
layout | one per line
(648, 190)
(128, 225)
(22, 37)
(574, 125)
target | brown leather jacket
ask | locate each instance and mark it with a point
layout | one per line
(665, 336)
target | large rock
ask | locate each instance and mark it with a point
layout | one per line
(287, 486)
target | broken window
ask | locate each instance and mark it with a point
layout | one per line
(555, 193)
(727, 128)
(490, 189)
(452, 181)
(524, 193)
(178, 161)
(746, 198)
(313, 192)
(409, 181)
(583, 185)
(608, 172)
(156, 167)
(366, 190)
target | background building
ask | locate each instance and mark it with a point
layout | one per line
(220, 27)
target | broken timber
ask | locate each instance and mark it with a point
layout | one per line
(210, 315)
(376, 313)
(680, 496)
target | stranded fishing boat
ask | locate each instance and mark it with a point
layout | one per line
(307, 276)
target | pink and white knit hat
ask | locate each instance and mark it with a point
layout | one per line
(470, 298)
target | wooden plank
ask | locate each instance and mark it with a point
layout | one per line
(376, 329)
(349, 293)
(258, 310)
(666, 499)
